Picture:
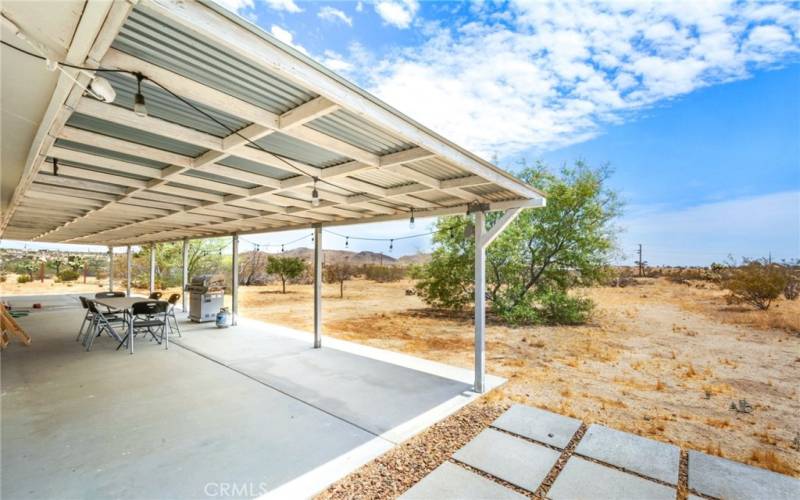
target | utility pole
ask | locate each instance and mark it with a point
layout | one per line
(640, 262)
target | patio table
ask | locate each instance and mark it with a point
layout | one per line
(123, 304)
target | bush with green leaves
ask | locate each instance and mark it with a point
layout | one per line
(383, 274)
(757, 283)
(24, 278)
(68, 275)
(544, 253)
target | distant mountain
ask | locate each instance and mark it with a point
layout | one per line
(359, 258)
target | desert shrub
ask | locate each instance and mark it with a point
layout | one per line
(792, 289)
(24, 278)
(757, 283)
(383, 274)
(68, 275)
(338, 272)
(549, 306)
(3, 278)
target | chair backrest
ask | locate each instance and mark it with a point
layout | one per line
(173, 299)
(149, 307)
(91, 306)
(84, 302)
(108, 295)
(155, 295)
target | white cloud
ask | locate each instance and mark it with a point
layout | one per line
(398, 13)
(359, 6)
(545, 75)
(286, 37)
(287, 5)
(330, 14)
(236, 5)
(748, 227)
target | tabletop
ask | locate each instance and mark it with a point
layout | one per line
(119, 303)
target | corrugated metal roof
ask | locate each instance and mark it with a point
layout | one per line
(354, 130)
(255, 168)
(438, 169)
(157, 41)
(304, 152)
(137, 136)
(382, 178)
(107, 153)
(161, 104)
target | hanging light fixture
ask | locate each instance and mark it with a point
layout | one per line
(55, 166)
(315, 195)
(138, 101)
(391, 245)
(281, 248)
(347, 242)
(411, 220)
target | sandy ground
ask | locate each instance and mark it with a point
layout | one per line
(661, 360)
(658, 360)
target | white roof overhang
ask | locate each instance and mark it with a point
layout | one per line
(178, 173)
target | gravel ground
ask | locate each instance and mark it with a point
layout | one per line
(391, 474)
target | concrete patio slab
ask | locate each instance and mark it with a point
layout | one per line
(581, 479)
(723, 478)
(629, 451)
(449, 481)
(540, 425)
(512, 459)
(175, 424)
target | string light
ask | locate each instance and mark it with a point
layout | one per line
(391, 245)
(411, 221)
(347, 242)
(315, 195)
(138, 101)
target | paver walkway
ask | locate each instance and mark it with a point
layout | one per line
(526, 446)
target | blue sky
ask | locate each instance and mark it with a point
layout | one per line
(695, 105)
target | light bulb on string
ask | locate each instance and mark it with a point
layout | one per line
(411, 220)
(315, 195)
(347, 242)
(138, 100)
(391, 245)
(281, 248)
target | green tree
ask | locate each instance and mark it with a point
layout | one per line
(285, 268)
(544, 253)
(339, 272)
(205, 257)
(56, 262)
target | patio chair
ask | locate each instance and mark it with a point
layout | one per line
(155, 296)
(149, 316)
(108, 295)
(100, 323)
(86, 317)
(173, 299)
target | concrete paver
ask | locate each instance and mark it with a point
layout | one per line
(450, 481)
(629, 451)
(510, 458)
(727, 479)
(581, 479)
(541, 425)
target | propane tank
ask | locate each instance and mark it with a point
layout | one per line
(222, 318)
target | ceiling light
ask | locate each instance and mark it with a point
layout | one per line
(103, 90)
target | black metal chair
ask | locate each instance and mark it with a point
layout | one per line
(108, 295)
(172, 300)
(149, 316)
(86, 317)
(155, 296)
(101, 322)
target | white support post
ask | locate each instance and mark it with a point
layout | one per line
(317, 286)
(184, 272)
(110, 268)
(152, 267)
(480, 303)
(128, 266)
(235, 280)
(483, 239)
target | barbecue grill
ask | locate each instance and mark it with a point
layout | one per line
(206, 296)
